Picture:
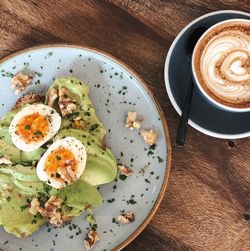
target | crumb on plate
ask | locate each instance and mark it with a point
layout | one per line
(126, 218)
(131, 122)
(20, 82)
(125, 170)
(143, 170)
(149, 137)
(92, 238)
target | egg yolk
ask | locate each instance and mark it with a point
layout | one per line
(33, 127)
(59, 159)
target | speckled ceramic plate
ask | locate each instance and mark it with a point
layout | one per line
(114, 89)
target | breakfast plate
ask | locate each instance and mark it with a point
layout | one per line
(204, 117)
(115, 89)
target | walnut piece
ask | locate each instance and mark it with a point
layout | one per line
(29, 98)
(34, 206)
(66, 105)
(91, 239)
(131, 122)
(127, 171)
(20, 82)
(53, 204)
(149, 136)
(50, 210)
(53, 95)
(125, 218)
(67, 174)
(143, 170)
(5, 161)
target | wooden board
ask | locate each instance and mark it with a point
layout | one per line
(207, 206)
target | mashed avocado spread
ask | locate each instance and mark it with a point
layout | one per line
(19, 183)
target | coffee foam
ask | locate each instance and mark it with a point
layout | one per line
(222, 63)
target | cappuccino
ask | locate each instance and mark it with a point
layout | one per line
(221, 63)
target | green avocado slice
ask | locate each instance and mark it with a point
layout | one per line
(29, 187)
(80, 195)
(20, 172)
(5, 136)
(7, 118)
(10, 151)
(14, 215)
(78, 91)
(98, 171)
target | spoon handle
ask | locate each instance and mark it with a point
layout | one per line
(181, 132)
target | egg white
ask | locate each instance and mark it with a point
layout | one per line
(79, 152)
(54, 125)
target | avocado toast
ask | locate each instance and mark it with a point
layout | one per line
(27, 201)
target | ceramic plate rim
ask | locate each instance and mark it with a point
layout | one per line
(167, 82)
(156, 103)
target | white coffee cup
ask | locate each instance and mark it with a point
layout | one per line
(201, 88)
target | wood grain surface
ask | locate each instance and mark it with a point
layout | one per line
(207, 206)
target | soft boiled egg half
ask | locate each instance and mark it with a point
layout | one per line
(33, 126)
(63, 163)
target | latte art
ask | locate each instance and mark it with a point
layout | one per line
(222, 64)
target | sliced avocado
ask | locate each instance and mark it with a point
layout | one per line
(80, 194)
(70, 211)
(29, 187)
(5, 136)
(79, 91)
(14, 215)
(10, 151)
(7, 118)
(24, 173)
(99, 171)
(28, 157)
(5, 181)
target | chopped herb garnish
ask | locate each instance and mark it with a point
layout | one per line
(94, 227)
(28, 200)
(58, 157)
(37, 133)
(160, 159)
(131, 201)
(111, 200)
(150, 152)
(8, 198)
(122, 177)
(152, 147)
(27, 127)
(23, 207)
(38, 74)
(34, 221)
(94, 127)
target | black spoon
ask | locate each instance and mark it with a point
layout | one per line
(181, 132)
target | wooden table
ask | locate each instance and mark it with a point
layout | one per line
(207, 206)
